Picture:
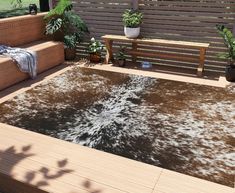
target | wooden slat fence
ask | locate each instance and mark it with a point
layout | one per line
(102, 17)
(189, 20)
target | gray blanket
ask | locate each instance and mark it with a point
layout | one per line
(26, 60)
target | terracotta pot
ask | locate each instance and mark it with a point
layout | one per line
(70, 53)
(95, 58)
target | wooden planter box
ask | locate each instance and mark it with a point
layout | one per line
(27, 32)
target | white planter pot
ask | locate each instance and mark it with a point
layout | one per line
(132, 32)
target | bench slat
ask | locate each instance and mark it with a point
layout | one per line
(162, 55)
(158, 41)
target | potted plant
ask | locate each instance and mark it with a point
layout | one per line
(229, 41)
(70, 42)
(95, 48)
(121, 57)
(132, 20)
(66, 26)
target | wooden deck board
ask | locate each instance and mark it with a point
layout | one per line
(222, 83)
(88, 158)
(71, 168)
(107, 171)
(172, 182)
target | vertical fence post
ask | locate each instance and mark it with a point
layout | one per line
(234, 29)
(135, 4)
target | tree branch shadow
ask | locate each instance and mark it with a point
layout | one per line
(88, 185)
(10, 158)
(41, 177)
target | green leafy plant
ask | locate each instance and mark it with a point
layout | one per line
(61, 7)
(70, 41)
(132, 18)
(229, 41)
(95, 47)
(54, 25)
(61, 19)
(16, 3)
(121, 54)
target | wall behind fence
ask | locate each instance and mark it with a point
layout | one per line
(190, 20)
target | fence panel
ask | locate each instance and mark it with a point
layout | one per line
(189, 20)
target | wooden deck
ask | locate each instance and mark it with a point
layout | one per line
(47, 164)
(34, 163)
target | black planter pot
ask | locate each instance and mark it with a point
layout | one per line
(44, 5)
(70, 53)
(121, 63)
(230, 73)
(33, 10)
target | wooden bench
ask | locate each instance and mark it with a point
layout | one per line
(109, 39)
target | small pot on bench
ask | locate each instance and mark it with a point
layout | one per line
(121, 57)
(132, 33)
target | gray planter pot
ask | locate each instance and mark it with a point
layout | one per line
(132, 33)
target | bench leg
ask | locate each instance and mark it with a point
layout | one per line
(109, 48)
(202, 61)
(134, 48)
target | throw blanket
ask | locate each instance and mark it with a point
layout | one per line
(26, 60)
